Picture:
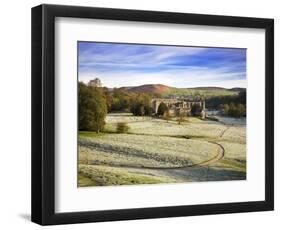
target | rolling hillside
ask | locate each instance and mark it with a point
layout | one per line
(153, 89)
(167, 91)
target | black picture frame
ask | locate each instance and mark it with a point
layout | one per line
(43, 114)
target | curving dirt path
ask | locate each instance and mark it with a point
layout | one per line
(223, 132)
(216, 158)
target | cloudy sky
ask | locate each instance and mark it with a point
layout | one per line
(132, 64)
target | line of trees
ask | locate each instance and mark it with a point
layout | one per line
(140, 104)
(216, 102)
(137, 103)
(119, 100)
(234, 110)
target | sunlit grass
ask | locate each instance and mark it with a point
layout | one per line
(103, 175)
(145, 150)
(109, 158)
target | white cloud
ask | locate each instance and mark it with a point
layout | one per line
(157, 55)
(181, 78)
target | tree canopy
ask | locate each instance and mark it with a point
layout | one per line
(162, 108)
(234, 110)
(92, 108)
(140, 104)
(196, 109)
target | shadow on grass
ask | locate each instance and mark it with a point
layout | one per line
(206, 174)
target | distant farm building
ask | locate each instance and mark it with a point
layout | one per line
(179, 106)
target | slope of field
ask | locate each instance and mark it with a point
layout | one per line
(157, 151)
(145, 150)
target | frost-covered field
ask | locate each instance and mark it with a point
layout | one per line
(124, 117)
(157, 151)
(145, 150)
(192, 128)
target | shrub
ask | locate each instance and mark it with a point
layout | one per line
(122, 127)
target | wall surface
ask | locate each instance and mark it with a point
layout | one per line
(15, 114)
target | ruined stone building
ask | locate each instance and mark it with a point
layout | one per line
(178, 106)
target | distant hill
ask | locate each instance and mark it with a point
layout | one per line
(152, 88)
(168, 91)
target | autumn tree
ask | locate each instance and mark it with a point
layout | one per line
(140, 104)
(241, 110)
(181, 117)
(166, 115)
(162, 108)
(196, 109)
(92, 108)
(235, 110)
(120, 100)
(225, 109)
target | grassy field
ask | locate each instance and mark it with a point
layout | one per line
(157, 151)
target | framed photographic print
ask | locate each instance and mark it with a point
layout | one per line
(142, 114)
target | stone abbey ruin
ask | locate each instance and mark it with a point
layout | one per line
(179, 106)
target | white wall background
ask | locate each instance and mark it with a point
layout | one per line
(15, 113)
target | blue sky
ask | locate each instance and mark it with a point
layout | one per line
(118, 64)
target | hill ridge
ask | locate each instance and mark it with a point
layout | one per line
(164, 89)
